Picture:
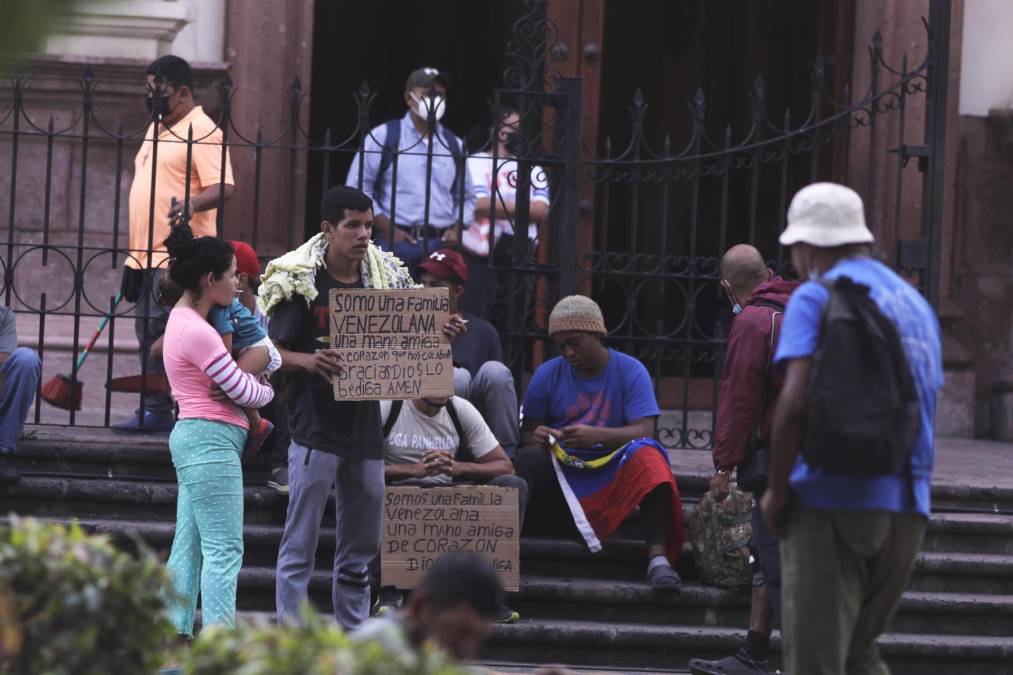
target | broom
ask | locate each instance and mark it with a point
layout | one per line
(65, 392)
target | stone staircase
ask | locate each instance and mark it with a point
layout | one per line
(957, 616)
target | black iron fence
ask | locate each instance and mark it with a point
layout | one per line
(647, 246)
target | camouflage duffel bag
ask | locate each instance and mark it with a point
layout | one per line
(719, 533)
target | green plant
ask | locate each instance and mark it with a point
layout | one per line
(316, 648)
(82, 604)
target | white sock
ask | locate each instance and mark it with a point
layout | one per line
(655, 561)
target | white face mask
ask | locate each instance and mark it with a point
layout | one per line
(422, 106)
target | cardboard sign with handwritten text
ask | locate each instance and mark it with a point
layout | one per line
(391, 343)
(422, 524)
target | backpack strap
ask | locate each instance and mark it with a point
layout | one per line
(457, 186)
(391, 144)
(395, 412)
(463, 451)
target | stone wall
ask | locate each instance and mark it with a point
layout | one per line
(983, 262)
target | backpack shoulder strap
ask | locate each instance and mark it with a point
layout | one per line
(391, 144)
(454, 145)
(462, 443)
(395, 412)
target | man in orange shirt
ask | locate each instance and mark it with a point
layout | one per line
(153, 209)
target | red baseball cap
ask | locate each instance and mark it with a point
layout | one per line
(446, 265)
(246, 259)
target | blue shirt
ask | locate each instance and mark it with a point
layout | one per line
(236, 319)
(919, 333)
(411, 178)
(559, 397)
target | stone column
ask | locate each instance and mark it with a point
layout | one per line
(269, 44)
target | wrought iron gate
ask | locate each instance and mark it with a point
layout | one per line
(647, 247)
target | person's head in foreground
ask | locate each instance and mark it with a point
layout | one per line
(826, 222)
(577, 326)
(455, 604)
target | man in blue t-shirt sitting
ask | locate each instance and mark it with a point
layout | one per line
(586, 408)
(849, 542)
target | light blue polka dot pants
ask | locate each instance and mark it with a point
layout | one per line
(207, 550)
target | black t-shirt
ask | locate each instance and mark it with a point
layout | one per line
(345, 428)
(479, 345)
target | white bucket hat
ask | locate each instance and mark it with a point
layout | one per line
(826, 215)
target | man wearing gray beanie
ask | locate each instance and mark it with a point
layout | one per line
(587, 442)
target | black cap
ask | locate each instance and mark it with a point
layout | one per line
(423, 77)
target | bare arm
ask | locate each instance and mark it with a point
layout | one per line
(156, 348)
(211, 198)
(393, 473)
(491, 465)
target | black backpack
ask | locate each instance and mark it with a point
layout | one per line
(863, 414)
(463, 453)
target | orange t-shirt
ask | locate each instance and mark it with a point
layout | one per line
(170, 181)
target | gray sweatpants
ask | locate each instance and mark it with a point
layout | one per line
(492, 391)
(358, 508)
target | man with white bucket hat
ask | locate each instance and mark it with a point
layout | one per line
(850, 532)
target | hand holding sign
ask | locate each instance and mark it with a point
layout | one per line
(324, 362)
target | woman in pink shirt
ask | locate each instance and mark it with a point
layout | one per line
(208, 439)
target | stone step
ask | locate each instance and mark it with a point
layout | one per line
(949, 593)
(647, 646)
(623, 602)
(970, 567)
(556, 599)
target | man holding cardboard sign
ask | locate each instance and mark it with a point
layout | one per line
(336, 445)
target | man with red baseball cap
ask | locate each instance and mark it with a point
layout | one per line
(480, 376)
(276, 445)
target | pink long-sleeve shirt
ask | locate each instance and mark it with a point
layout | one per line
(194, 357)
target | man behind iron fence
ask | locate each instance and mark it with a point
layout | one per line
(425, 216)
(170, 101)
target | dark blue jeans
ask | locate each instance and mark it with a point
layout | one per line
(148, 311)
(20, 373)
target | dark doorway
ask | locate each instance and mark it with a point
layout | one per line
(382, 41)
(696, 62)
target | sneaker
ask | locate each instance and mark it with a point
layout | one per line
(741, 663)
(279, 480)
(663, 576)
(153, 423)
(8, 472)
(255, 438)
(507, 615)
(390, 600)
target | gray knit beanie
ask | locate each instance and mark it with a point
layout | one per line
(576, 312)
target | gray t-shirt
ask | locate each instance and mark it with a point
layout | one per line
(415, 433)
(8, 332)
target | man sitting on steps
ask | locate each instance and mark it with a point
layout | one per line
(588, 427)
(439, 441)
(479, 372)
